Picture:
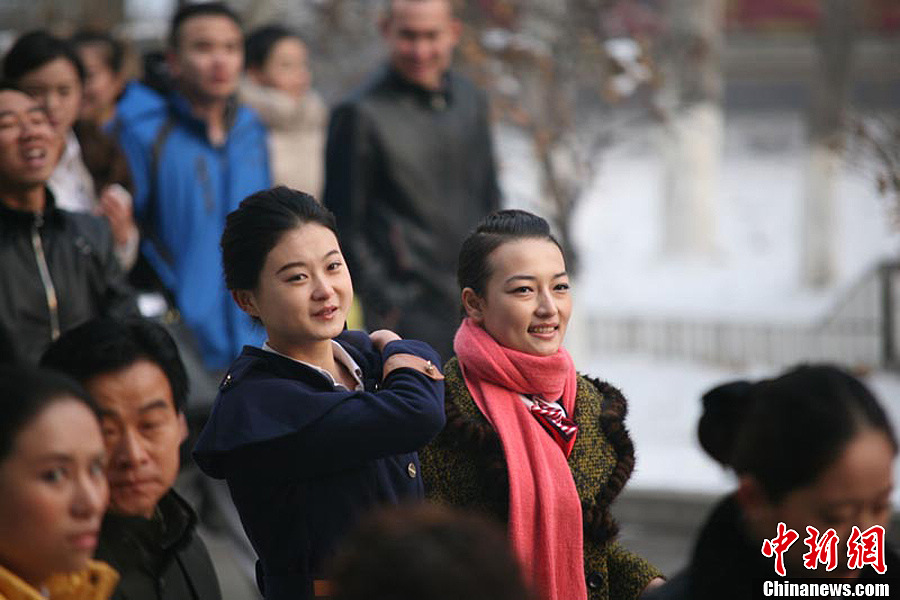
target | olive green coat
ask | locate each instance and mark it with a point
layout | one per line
(465, 467)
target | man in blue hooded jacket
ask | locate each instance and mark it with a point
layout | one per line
(194, 156)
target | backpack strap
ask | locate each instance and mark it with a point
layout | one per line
(159, 142)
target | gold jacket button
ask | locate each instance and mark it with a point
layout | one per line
(411, 470)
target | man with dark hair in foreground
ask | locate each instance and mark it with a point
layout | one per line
(133, 371)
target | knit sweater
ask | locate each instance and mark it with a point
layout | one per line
(465, 467)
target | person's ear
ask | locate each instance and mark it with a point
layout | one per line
(384, 23)
(172, 63)
(753, 500)
(246, 301)
(182, 426)
(255, 75)
(455, 30)
(473, 304)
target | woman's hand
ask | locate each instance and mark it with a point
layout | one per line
(381, 337)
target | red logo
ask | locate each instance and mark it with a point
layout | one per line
(866, 548)
(821, 549)
(778, 545)
(863, 548)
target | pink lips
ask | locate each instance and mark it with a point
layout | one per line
(326, 313)
(85, 541)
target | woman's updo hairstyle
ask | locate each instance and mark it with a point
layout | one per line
(24, 394)
(785, 432)
(493, 231)
(257, 226)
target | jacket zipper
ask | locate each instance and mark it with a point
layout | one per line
(46, 280)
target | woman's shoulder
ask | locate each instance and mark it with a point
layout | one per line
(256, 369)
(457, 398)
(463, 415)
(608, 399)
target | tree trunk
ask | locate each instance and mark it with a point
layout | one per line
(692, 136)
(831, 90)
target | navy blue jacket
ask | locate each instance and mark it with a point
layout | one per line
(303, 461)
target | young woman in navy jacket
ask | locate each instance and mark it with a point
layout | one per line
(320, 424)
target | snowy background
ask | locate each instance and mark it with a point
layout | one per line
(753, 276)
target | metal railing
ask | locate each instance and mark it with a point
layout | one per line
(861, 329)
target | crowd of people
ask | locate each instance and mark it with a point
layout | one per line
(163, 254)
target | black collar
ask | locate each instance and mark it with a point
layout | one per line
(23, 218)
(436, 99)
(172, 522)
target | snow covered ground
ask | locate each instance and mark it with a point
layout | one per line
(664, 407)
(752, 278)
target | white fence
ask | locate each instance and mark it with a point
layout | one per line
(860, 330)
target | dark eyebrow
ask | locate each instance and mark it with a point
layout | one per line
(300, 263)
(533, 278)
(525, 277)
(297, 263)
(154, 405)
(150, 406)
(55, 457)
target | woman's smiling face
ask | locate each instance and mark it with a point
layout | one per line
(526, 302)
(304, 289)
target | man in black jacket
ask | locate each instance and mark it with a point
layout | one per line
(409, 172)
(133, 371)
(57, 269)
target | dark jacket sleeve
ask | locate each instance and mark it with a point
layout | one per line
(281, 428)
(119, 300)
(350, 167)
(112, 295)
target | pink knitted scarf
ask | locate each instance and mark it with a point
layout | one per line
(545, 525)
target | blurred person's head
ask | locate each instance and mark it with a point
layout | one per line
(276, 57)
(427, 552)
(812, 447)
(48, 68)
(29, 148)
(103, 57)
(134, 372)
(53, 489)
(421, 36)
(513, 281)
(284, 267)
(206, 51)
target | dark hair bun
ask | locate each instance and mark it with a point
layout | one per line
(724, 408)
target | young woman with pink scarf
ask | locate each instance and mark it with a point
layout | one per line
(527, 439)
